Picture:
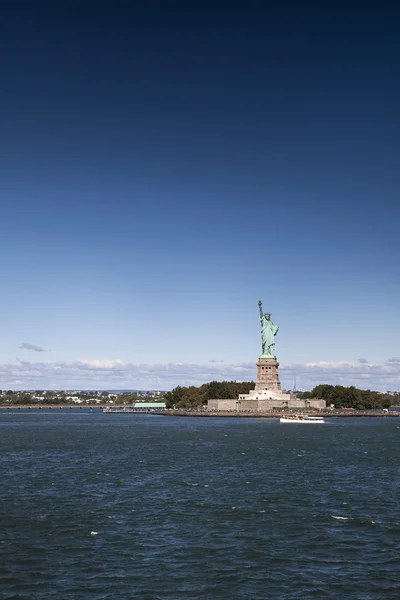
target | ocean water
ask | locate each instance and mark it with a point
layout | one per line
(97, 507)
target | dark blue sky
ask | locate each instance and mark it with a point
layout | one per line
(165, 165)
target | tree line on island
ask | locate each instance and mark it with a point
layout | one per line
(340, 396)
(351, 397)
(189, 397)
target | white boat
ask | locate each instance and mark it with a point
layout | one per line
(301, 419)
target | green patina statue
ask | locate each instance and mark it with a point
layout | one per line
(268, 333)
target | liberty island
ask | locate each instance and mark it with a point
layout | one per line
(267, 394)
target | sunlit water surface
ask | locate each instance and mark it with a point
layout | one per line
(98, 506)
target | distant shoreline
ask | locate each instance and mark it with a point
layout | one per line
(42, 406)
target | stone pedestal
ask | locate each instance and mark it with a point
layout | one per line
(267, 375)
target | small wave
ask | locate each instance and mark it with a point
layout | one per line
(356, 521)
(95, 533)
(365, 522)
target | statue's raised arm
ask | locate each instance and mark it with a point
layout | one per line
(260, 307)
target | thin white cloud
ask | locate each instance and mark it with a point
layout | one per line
(28, 346)
(108, 374)
(101, 364)
(380, 376)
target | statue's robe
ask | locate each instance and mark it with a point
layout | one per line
(268, 332)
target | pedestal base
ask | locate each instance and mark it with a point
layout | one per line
(267, 375)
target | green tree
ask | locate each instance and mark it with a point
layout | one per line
(187, 397)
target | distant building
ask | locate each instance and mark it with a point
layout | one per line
(149, 405)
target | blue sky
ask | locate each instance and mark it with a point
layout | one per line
(163, 169)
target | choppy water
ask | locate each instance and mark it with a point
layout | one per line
(100, 506)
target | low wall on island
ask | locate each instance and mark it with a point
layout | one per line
(273, 415)
(247, 403)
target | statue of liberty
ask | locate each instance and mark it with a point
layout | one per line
(268, 333)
